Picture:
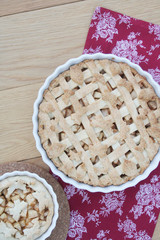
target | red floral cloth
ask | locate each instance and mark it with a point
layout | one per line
(132, 213)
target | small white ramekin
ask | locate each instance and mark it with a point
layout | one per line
(50, 190)
(45, 158)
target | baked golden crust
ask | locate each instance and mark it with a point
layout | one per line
(26, 208)
(99, 122)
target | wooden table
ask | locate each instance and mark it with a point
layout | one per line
(36, 37)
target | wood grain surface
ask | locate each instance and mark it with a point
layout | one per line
(12, 7)
(156, 235)
(36, 37)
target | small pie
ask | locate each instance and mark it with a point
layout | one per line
(26, 208)
(99, 122)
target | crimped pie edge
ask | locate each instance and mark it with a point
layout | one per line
(46, 234)
(65, 178)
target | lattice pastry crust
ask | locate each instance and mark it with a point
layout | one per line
(99, 122)
(26, 208)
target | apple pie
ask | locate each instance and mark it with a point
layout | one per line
(26, 208)
(99, 122)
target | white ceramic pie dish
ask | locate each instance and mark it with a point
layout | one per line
(45, 158)
(50, 190)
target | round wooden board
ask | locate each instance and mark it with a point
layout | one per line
(62, 226)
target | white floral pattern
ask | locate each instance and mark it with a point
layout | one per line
(84, 196)
(154, 29)
(133, 35)
(71, 191)
(113, 202)
(77, 227)
(125, 19)
(91, 50)
(155, 74)
(105, 25)
(102, 235)
(96, 13)
(148, 198)
(129, 228)
(152, 48)
(129, 49)
(94, 216)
